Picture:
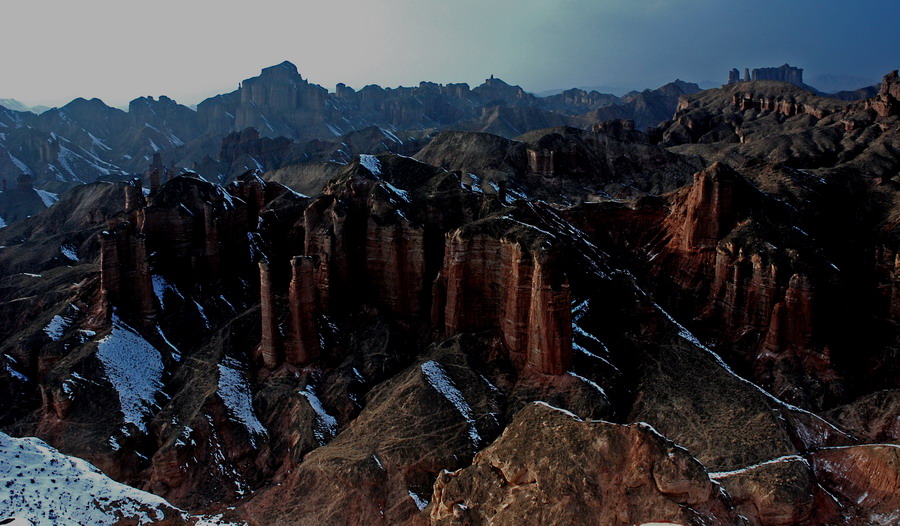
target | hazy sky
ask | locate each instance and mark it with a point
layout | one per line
(56, 50)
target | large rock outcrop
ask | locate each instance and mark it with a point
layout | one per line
(504, 273)
(549, 466)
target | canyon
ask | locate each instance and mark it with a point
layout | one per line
(605, 323)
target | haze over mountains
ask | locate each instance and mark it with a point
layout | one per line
(296, 122)
(445, 305)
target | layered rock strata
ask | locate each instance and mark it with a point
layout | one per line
(525, 293)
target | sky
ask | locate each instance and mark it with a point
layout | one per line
(52, 51)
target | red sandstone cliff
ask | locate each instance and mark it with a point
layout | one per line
(504, 273)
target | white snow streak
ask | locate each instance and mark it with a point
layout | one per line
(371, 163)
(69, 251)
(326, 425)
(785, 458)
(420, 502)
(442, 383)
(49, 198)
(234, 391)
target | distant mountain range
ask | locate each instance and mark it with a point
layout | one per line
(280, 119)
(13, 104)
(86, 140)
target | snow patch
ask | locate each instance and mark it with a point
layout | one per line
(475, 186)
(444, 385)
(22, 167)
(402, 194)
(202, 315)
(785, 458)
(371, 163)
(160, 286)
(175, 352)
(43, 486)
(234, 390)
(390, 135)
(57, 327)
(49, 198)
(420, 502)
(134, 368)
(69, 252)
(334, 129)
(326, 425)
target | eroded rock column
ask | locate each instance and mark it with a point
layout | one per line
(302, 345)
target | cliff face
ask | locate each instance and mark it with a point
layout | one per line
(887, 102)
(125, 272)
(509, 281)
(302, 340)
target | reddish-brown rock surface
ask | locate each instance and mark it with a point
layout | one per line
(540, 467)
(863, 478)
(302, 340)
(502, 273)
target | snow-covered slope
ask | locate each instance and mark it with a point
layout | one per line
(41, 486)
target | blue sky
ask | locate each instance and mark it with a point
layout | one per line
(55, 50)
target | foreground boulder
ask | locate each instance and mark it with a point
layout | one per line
(550, 467)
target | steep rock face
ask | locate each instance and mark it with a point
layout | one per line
(280, 90)
(779, 492)
(125, 272)
(302, 340)
(887, 102)
(713, 205)
(395, 265)
(191, 223)
(270, 343)
(19, 199)
(538, 470)
(525, 292)
(255, 192)
(864, 479)
(715, 255)
(787, 107)
(699, 219)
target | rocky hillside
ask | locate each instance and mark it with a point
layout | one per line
(693, 326)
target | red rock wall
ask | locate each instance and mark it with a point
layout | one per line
(712, 208)
(302, 341)
(487, 282)
(323, 226)
(125, 273)
(395, 266)
(550, 321)
(887, 102)
(269, 345)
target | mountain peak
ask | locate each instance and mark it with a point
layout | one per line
(284, 67)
